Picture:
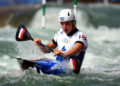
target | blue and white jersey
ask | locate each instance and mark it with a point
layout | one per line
(65, 42)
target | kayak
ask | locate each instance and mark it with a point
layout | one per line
(45, 66)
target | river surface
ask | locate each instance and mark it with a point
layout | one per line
(101, 66)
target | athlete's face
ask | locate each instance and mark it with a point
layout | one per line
(67, 26)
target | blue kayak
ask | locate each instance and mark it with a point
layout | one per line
(47, 66)
(44, 65)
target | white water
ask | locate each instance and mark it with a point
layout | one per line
(102, 55)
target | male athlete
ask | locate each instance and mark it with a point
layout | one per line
(71, 42)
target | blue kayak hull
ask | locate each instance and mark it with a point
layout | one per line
(47, 67)
(44, 66)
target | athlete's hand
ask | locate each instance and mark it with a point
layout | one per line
(57, 52)
(36, 40)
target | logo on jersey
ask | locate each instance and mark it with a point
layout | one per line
(79, 36)
(83, 36)
(62, 18)
(65, 40)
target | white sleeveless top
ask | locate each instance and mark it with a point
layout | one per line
(65, 42)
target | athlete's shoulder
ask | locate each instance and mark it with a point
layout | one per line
(79, 32)
(80, 36)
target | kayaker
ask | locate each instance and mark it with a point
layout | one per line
(71, 42)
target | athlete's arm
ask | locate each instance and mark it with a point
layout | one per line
(77, 48)
(43, 49)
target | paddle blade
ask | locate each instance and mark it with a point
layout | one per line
(22, 34)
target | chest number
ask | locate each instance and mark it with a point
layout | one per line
(63, 49)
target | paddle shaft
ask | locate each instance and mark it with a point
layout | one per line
(43, 45)
(50, 49)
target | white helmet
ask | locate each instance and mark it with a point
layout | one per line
(66, 15)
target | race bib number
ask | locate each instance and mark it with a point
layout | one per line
(63, 49)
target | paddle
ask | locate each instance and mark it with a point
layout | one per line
(23, 35)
